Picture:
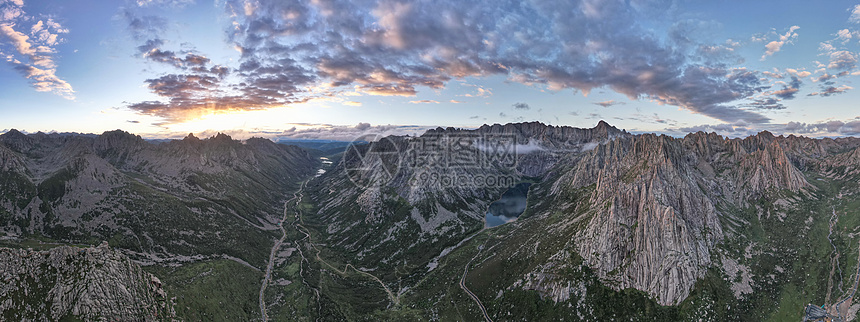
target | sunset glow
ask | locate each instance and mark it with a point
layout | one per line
(163, 68)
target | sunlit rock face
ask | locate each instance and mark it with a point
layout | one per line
(656, 198)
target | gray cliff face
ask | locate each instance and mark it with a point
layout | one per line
(656, 204)
(652, 226)
(93, 284)
(654, 212)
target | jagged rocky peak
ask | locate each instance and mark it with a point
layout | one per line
(767, 169)
(117, 140)
(532, 128)
(191, 138)
(604, 129)
(17, 141)
(222, 137)
(263, 142)
(758, 141)
(559, 137)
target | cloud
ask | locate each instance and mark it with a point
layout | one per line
(19, 40)
(719, 128)
(855, 14)
(842, 60)
(824, 77)
(844, 35)
(362, 126)
(336, 132)
(305, 131)
(33, 55)
(456, 101)
(531, 147)
(351, 103)
(770, 103)
(479, 91)
(788, 91)
(521, 106)
(776, 45)
(652, 118)
(594, 116)
(774, 74)
(831, 90)
(298, 51)
(198, 87)
(46, 80)
(142, 27)
(850, 127)
(424, 102)
(797, 73)
(608, 103)
(167, 3)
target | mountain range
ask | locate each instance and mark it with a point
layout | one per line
(615, 226)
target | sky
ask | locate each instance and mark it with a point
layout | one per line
(334, 69)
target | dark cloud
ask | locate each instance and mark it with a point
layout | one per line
(788, 91)
(851, 128)
(768, 103)
(296, 51)
(142, 27)
(521, 106)
(829, 127)
(362, 126)
(825, 77)
(152, 50)
(831, 90)
(150, 45)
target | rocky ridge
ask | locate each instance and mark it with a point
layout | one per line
(183, 197)
(93, 284)
(655, 206)
(385, 224)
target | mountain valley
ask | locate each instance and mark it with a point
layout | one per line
(616, 225)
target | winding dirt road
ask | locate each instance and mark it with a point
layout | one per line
(268, 276)
(466, 289)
